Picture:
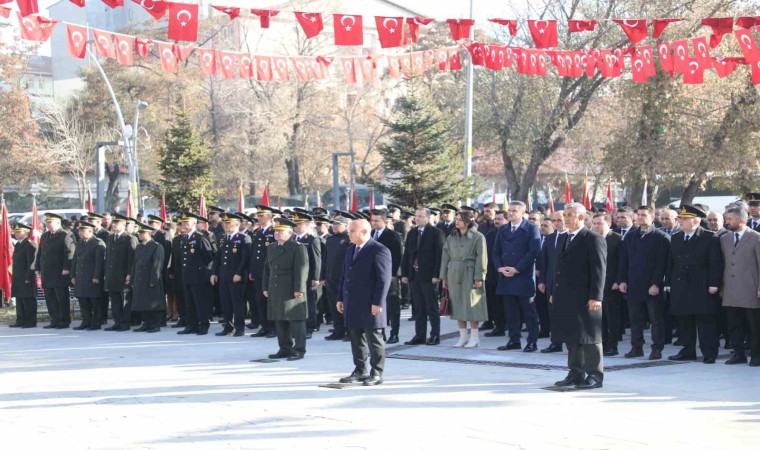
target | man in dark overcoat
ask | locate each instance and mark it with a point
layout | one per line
(120, 255)
(87, 276)
(23, 281)
(53, 264)
(611, 327)
(147, 280)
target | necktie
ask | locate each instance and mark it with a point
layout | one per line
(513, 228)
(542, 241)
(687, 238)
(736, 239)
(356, 252)
(569, 239)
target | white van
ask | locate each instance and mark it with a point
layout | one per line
(66, 213)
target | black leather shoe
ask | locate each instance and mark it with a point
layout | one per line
(180, 324)
(754, 362)
(433, 340)
(511, 345)
(28, 326)
(225, 331)
(737, 359)
(83, 326)
(188, 331)
(634, 353)
(415, 341)
(295, 356)
(153, 330)
(355, 376)
(15, 325)
(495, 333)
(309, 334)
(412, 319)
(239, 333)
(261, 333)
(271, 334)
(61, 327)
(142, 327)
(487, 325)
(611, 352)
(202, 331)
(112, 328)
(373, 380)
(589, 383)
(530, 348)
(333, 337)
(681, 357)
(279, 355)
(568, 381)
(124, 328)
(655, 355)
(708, 361)
(393, 339)
(49, 326)
(552, 348)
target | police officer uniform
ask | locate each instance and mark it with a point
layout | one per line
(314, 251)
(197, 255)
(261, 239)
(336, 246)
(53, 261)
(102, 234)
(23, 281)
(231, 269)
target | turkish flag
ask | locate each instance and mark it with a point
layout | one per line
(701, 52)
(234, 13)
(6, 255)
(156, 8)
(367, 65)
(681, 56)
(455, 61)
(414, 26)
(319, 66)
(264, 16)
(226, 64)
(141, 46)
(348, 29)
(748, 45)
(509, 23)
(666, 60)
(415, 66)
(311, 23)
(638, 69)
(607, 64)
(349, 71)
(36, 28)
(182, 51)
(576, 26)
(460, 28)
(104, 43)
(756, 72)
(5, 12)
(390, 30)
(542, 69)
(478, 54)
(748, 22)
(495, 57)
(695, 73)
(645, 53)
(720, 26)
(568, 191)
(79, 3)
(124, 49)
(301, 68)
(264, 68)
(636, 30)
(113, 3)
(207, 61)
(724, 66)
(394, 67)
(76, 40)
(609, 204)
(168, 60)
(245, 65)
(27, 7)
(183, 22)
(659, 26)
(544, 33)
(589, 62)
(280, 66)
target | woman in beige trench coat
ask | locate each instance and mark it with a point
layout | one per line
(463, 271)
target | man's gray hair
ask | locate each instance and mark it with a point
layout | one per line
(740, 212)
(518, 203)
(426, 211)
(578, 207)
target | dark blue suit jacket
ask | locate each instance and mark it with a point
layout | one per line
(548, 261)
(519, 250)
(365, 282)
(643, 263)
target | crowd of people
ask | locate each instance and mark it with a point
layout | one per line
(577, 277)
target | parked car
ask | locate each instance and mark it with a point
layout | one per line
(66, 213)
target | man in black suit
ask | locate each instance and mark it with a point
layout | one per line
(577, 299)
(336, 245)
(546, 227)
(624, 220)
(363, 290)
(174, 276)
(392, 241)
(197, 256)
(102, 234)
(420, 267)
(87, 276)
(120, 256)
(303, 235)
(546, 264)
(23, 281)
(53, 264)
(495, 301)
(611, 303)
(446, 225)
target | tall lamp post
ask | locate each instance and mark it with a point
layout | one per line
(139, 106)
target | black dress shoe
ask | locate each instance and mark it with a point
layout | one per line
(681, 357)
(355, 376)
(280, 355)
(239, 333)
(412, 319)
(309, 334)
(552, 348)
(495, 333)
(634, 353)
(260, 333)
(83, 326)
(333, 337)
(28, 326)
(15, 325)
(737, 359)
(142, 327)
(511, 345)
(530, 348)
(708, 361)
(611, 352)
(225, 331)
(61, 327)
(655, 355)
(112, 328)
(295, 356)
(569, 381)
(487, 325)
(178, 325)
(153, 330)
(271, 334)
(415, 341)
(373, 380)
(754, 362)
(49, 326)
(433, 340)
(393, 339)
(188, 331)
(589, 383)
(202, 332)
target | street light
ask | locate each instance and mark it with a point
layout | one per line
(139, 106)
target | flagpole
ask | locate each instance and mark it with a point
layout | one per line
(468, 109)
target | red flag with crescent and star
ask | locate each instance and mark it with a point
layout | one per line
(156, 8)
(124, 53)
(76, 40)
(6, 255)
(609, 203)
(36, 28)
(311, 23)
(348, 29)
(183, 22)
(390, 31)
(544, 33)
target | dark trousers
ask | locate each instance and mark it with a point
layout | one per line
(339, 324)
(703, 325)
(58, 305)
(104, 301)
(311, 307)
(91, 311)
(611, 319)
(393, 303)
(585, 360)
(289, 331)
(512, 307)
(152, 319)
(250, 300)
(179, 300)
(26, 311)
(542, 309)
(262, 306)
(323, 308)
(197, 299)
(737, 319)
(638, 311)
(495, 306)
(232, 302)
(368, 342)
(426, 300)
(121, 309)
(215, 306)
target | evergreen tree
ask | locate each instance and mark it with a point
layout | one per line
(422, 164)
(184, 162)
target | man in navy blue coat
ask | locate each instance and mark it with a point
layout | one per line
(517, 247)
(364, 285)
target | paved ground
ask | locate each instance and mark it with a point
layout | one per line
(77, 389)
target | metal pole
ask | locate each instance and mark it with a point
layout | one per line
(138, 190)
(336, 183)
(468, 111)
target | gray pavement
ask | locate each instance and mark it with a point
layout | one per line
(68, 389)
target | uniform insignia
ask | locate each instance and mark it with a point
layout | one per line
(192, 250)
(266, 244)
(234, 250)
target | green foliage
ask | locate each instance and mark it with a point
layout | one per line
(185, 166)
(422, 164)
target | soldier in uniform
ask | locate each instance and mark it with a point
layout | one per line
(23, 282)
(148, 295)
(162, 238)
(284, 279)
(120, 253)
(203, 227)
(447, 219)
(753, 203)
(101, 233)
(53, 264)
(174, 275)
(322, 226)
(230, 272)
(215, 226)
(335, 247)
(87, 276)
(261, 239)
(303, 235)
(197, 255)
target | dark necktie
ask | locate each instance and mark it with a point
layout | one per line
(514, 228)
(569, 239)
(736, 239)
(686, 239)
(356, 252)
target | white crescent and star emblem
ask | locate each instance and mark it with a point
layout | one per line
(167, 54)
(123, 47)
(746, 40)
(633, 24)
(227, 61)
(28, 23)
(541, 30)
(144, 4)
(181, 13)
(281, 64)
(702, 49)
(310, 17)
(343, 22)
(395, 24)
(638, 64)
(207, 59)
(245, 61)
(694, 67)
(104, 42)
(264, 65)
(664, 51)
(681, 52)
(76, 38)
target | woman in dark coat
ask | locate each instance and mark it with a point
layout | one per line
(147, 281)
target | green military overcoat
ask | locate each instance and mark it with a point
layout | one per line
(285, 272)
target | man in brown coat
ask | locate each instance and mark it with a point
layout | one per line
(741, 283)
